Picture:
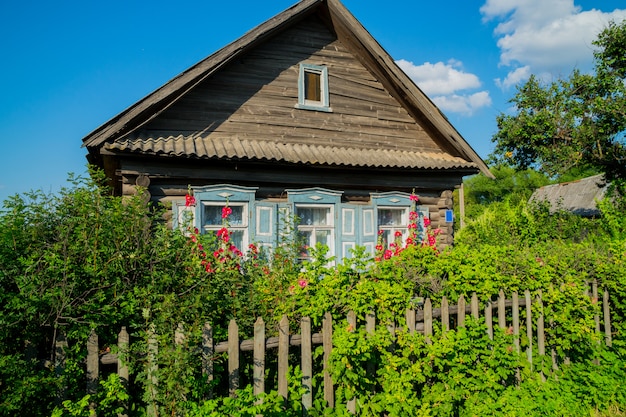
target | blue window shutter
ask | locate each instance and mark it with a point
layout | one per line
(368, 229)
(358, 228)
(264, 224)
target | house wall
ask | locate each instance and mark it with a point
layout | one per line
(255, 98)
(169, 183)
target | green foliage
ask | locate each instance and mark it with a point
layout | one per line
(83, 259)
(509, 185)
(572, 122)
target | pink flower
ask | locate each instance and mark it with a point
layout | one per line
(413, 215)
(252, 247)
(190, 200)
(302, 283)
(412, 226)
(380, 232)
(426, 221)
(379, 247)
(414, 197)
(226, 211)
(388, 254)
(223, 234)
(398, 233)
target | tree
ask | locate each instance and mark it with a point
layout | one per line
(573, 123)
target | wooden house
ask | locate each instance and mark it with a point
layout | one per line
(578, 197)
(304, 114)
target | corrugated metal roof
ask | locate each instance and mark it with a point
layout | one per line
(247, 149)
(578, 197)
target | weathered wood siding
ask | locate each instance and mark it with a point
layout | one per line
(255, 98)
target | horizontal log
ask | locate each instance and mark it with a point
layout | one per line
(271, 342)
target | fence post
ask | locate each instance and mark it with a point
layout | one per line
(283, 356)
(489, 319)
(529, 326)
(516, 320)
(327, 340)
(259, 357)
(460, 315)
(501, 310)
(351, 405)
(207, 354)
(410, 320)
(370, 327)
(123, 343)
(541, 342)
(594, 292)
(152, 369)
(307, 365)
(233, 358)
(93, 362)
(474, 306)
(607, 319)
(428, 320)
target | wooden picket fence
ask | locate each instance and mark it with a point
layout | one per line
(501, 312)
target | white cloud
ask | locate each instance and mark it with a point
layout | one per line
(464, 104)
(514, 77)
(439, 78)
(442, 82)
(551, 38)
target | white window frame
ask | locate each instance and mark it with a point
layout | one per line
(243, 227)
(403, 227)
(303, 103)
(312, 228)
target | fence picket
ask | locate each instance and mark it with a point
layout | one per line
(501, 310)
(428, 319)
(258, 374)
(474, 304)
(489, 319)
(283, 356)
(410, 320)
(351, 405)
(306, 339)
(307, 365)
(327, 333)
(93, 362)
(529, 326)
(607, 319)
(461, 311)
(208, 350)
(515, 318)
(233, 357)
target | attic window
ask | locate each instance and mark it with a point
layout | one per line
(313, 88)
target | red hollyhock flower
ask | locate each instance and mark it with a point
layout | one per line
(226, 211)
(190, 200)
(414, 197)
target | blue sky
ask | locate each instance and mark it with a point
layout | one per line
(70, 66)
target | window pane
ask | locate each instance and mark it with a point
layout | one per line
(312, 86)
(213, 215)
(307, 237)
(322, 237)
(313, 216)
(236, 239)
(390, 217)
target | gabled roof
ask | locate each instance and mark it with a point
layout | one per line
(123, 128)
(578, 197)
